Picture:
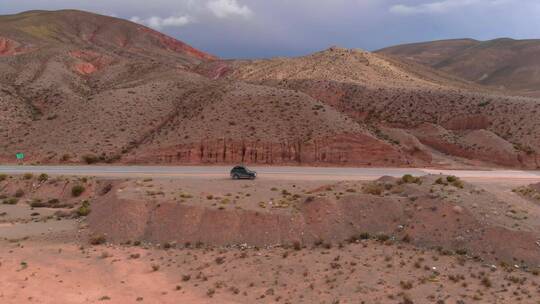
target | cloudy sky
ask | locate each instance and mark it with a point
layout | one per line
(263, 28)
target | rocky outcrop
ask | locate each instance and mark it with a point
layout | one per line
(10, 47)
(409, 143)
(89, 62)
(347, 149)
(480, 145)
(427, 221)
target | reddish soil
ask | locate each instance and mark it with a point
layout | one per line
(423, 241)
(10, 47)
(6, 47)
(91, 62)
(341, 149)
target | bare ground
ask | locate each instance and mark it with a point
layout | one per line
(48, 258)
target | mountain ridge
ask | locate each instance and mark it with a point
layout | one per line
(102, 89)
(503, 63)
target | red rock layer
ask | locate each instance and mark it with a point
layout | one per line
(342, 149)
(91, 62)
(9, 47)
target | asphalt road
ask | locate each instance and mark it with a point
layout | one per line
(285, 173)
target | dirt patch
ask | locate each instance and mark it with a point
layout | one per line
(369, 270)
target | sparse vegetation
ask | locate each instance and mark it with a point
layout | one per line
(441, 181)
(43, 177)
(19, 193)
(486, 282)
(383, 237)
(84, 209)
(97, 239)
(90, 159)
(77, 190)
(65, 158)
(186, 277)
(484, 104)
(186, 195)
(527, 191)
(373, 188)
(451, 178)
(364, 236)
(406, 284)
(52, 203)
(11, 201)
(455, 181)
(409, 179)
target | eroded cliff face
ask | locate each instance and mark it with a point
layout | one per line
(347, 149)
(478, 144)
(122, 218)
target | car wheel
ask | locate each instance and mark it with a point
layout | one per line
(235, 176)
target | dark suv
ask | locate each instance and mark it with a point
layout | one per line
(239, 172)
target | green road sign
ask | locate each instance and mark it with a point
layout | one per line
(20, 155)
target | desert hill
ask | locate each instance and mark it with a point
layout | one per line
(423, 111)
(80, 87)
(74, 82)
(503, 63)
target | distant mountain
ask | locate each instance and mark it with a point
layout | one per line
(503, 63)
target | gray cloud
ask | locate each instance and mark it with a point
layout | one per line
(440, 7)
(228, 8)
(193, 11)
(257, 28)
(159, 22)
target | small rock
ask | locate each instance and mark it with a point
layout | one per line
(458, 209)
